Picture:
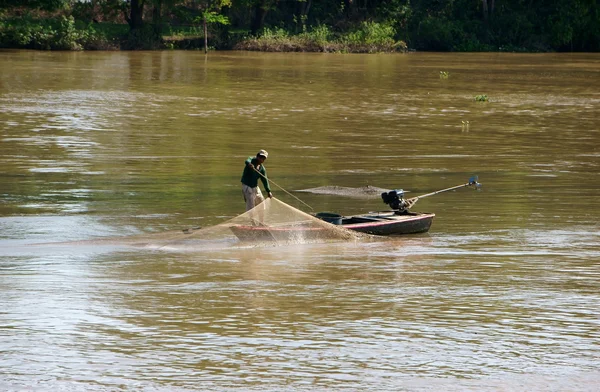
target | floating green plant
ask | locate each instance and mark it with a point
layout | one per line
(481, 98)
(444, 74)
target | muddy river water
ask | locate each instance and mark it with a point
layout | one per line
(503, 293)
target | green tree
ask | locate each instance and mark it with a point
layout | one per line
(46, 5)
(423, 24)
(258, 11)
(211, 15)
(135, 16)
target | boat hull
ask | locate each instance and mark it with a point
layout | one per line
(382, 224)
(390, 223)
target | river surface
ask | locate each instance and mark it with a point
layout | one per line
(503, 293)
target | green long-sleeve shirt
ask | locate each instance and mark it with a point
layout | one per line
(250, 177)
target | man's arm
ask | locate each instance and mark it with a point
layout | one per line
(265, 181)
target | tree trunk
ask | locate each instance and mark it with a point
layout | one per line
(136, 13)
(351, 7)
(258, 20)
(485, 10)
(306, 8)
(157, 18)
(205, 36)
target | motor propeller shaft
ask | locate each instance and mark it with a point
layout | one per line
(395, 198)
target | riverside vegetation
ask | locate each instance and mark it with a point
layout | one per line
(302, 25)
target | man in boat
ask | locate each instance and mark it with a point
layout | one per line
(253, 170)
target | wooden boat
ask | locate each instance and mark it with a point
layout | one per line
(395, 222)
(390, 223)
(379, 223)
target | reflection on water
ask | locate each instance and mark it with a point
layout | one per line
(410, 311)
(502, 294)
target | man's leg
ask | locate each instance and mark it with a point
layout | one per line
(258, 199)
(249, 196)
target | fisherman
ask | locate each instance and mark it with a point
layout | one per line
(254, 170)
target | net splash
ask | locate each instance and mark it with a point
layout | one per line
(271, 223)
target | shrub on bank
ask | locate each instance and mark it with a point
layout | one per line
(373, 37)
(369, 37)
(60, 33)
(279, 40)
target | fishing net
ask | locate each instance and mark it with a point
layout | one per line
(362, 192)
(270, 223)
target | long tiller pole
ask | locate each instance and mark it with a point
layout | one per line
(413, 200)
(280, 187)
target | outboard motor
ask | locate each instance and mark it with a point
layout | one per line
(395, 199)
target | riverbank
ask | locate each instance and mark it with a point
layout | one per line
(65, 33)
(85, 26)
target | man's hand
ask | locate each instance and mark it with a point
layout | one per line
(251, 166)
(270, 195)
